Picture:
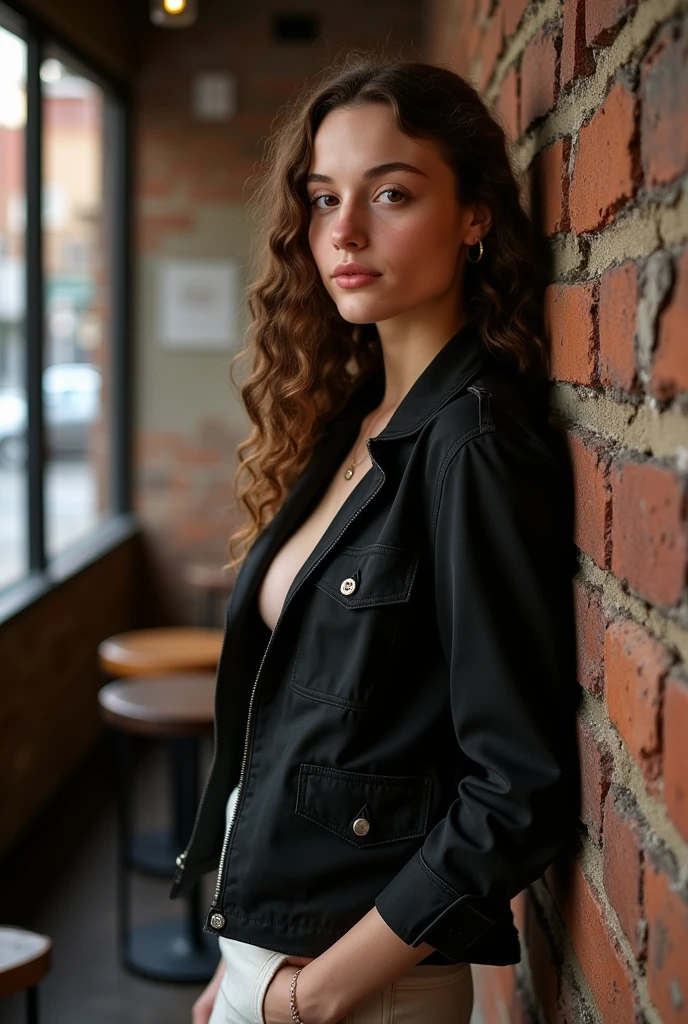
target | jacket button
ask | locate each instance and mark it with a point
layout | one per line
(348, 585)
(361, 826)
(217, 921)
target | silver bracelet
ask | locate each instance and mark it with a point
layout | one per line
(292, 998)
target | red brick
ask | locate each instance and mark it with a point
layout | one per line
(664, 126)
(649, 538)
(617, 317)
(598, 951)
(513, 12)
(596, 773)
(491, 47)
(551, 184)
(570, 314)
(635, 668)
(676, 753)
(623, 871)
(603, 19)
(576, 57)
(591, 469)
(538, 79)
(590, 627)
(606, 172)
(542, 965)
(670, 362)
(667, 963)
(153, 229)
(507, 104)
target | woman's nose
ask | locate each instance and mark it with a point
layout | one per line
(348, 229)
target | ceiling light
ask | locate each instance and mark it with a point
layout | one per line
(173, 13)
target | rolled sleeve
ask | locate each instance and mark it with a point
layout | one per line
(504, 611)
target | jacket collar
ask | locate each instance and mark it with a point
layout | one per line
(459, 361)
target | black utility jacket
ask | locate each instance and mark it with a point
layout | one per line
(404, 736)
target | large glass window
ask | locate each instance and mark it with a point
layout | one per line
(63, 300)
(13, 411)
(77, 286)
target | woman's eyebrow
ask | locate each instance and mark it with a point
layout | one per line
(372, 172)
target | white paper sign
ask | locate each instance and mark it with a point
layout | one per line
(197, 303)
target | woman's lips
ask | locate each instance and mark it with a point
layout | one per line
(355, 280)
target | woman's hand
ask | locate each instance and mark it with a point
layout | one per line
(277, 995)
(203, 1007)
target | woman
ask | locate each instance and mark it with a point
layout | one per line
(395, 697)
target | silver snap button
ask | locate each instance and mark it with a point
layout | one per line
(217, 921)
(361, 826)
(348, 585)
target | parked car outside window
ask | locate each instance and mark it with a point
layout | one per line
(71, 397)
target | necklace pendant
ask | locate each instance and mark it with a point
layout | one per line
(348, 473)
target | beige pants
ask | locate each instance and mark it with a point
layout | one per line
(428, 994)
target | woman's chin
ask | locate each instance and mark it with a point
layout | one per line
(361, 312)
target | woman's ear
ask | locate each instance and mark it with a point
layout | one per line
(479, 222)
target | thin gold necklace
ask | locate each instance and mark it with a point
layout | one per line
(349, 471)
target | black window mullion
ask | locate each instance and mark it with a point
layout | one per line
(117, 205)
(35, 306)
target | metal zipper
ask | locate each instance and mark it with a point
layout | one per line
(181, 859)
(216, 919)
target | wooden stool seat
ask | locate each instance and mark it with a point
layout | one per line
(154, 651)
(173, 705)
(24, 959)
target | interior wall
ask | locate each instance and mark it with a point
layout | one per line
(50, 680)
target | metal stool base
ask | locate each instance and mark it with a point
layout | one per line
(164, 951)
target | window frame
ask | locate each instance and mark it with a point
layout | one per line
(44, 574)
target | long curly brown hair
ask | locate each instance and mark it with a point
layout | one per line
(306, 359)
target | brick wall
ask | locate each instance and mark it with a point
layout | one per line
(594, 94)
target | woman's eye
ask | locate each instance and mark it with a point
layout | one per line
(394, 191)
(315, 201)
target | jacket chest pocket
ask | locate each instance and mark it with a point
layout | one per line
(350, 624)
(364, 809)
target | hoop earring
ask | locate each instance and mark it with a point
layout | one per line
(480, 254)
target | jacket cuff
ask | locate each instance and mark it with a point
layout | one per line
(421, 907)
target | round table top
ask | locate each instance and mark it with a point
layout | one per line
(173, 705)
(24, 959)
(152, 651)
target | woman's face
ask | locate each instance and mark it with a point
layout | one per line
(404, 223)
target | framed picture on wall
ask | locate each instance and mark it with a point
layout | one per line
(197, 304)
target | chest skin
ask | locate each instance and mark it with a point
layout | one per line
(295, 551)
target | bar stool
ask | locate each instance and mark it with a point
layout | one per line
(24, 961)
(175, 707)
(211, 586)
(145, 652)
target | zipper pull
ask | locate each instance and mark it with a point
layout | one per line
(179, 870)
